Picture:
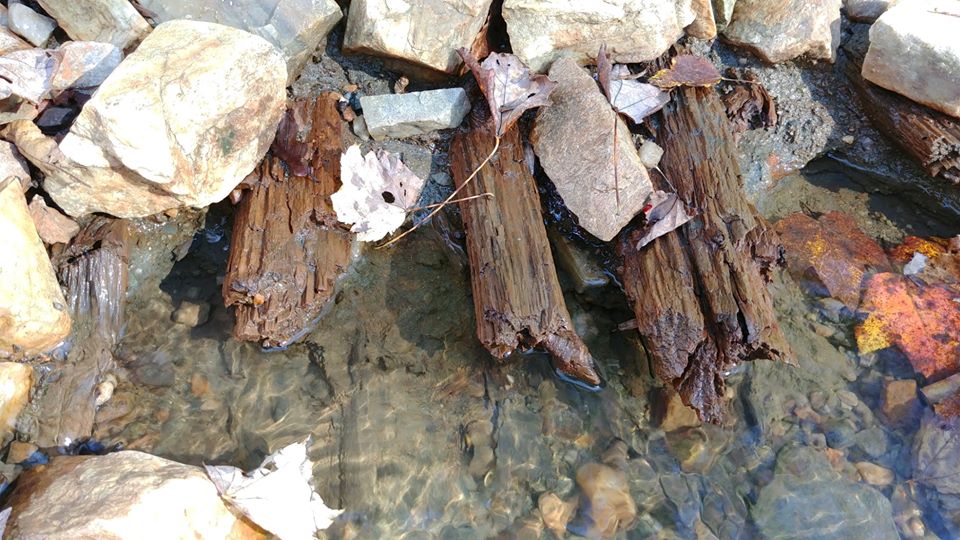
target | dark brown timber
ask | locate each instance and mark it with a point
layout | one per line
(287, 250)
(929, 136)
(699, 293)
(516, 294)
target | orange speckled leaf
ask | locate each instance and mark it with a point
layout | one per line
(923, 321)
(830, 256)
(930, 247)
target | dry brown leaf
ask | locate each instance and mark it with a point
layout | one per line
(687, 70)
(666, 213)
(508, 86)
(377, 192)
(631, 98)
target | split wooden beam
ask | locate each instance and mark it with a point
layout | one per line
(699, 293)
(516, 293)
(287, 249)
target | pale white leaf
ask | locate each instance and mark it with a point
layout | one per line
(636, 99)
(377, 192)
(916, 264)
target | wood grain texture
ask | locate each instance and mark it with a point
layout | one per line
(287, 250)
(699, 293)
(516, 294)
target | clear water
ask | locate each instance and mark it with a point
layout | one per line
(417, 433)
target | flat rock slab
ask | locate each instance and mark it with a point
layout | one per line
(109, 21)
(394, 116)
(633, 30)
(915, 51)
(33, 311)
(781, 31)
(126, 494)
(574, 139)
(296, 27)
(204, 121)
(423, 32)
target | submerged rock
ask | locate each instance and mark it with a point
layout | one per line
(296, 27)
(425, 33)
(808, 499)
(109, 21)
(122, 495)
(15, 383)
(914, 51)
(633, 30)
(405, 115)
(607, 503)
(574, 139)
(780, 31)
(186, 139)
(33, 314)
(29, 24)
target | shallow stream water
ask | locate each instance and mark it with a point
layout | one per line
(417, 433)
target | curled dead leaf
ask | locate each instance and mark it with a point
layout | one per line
(687, 70)
(631, 98)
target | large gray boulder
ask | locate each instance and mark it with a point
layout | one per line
(915, 51)
(296, 27)
(781, 31)
(633, 30)
(180, 122)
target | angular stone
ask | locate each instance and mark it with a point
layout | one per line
(4, 17)
(780, 31)
(874, 474)
(188, 138)
(192, 314)
(29, 24)
(723, 9)
(126, 494)
(574, 139)
(296, 27)
(867, 10)
(425, 33)
(704, 26)
(52, 226)
(405, 115)
(899, 406)
(610, 508)
(915, 51)
(85, 64)
(673, 414)
(13, 164)
(109, 21)
(633, 30)
(33, 314)
(20, 452)
(15, 382)
(10, 42)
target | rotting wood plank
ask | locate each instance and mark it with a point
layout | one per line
(699, 293)
(516, 293)
(287, 250)
(930, 137)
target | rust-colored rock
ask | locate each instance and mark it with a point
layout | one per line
(899, 406)
(830, 256)
(287, 249)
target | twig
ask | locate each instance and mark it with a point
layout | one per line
(446, 201)
(465, 199)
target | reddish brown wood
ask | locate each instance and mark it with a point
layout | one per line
(699, 293)
(516, 294)
(287, 249)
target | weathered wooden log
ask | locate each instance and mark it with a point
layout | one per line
(93, 271)
(516, 293)
(287, 249)
(929, 136)
(699, 293)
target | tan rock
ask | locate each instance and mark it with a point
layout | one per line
(899, 406)
(187, 138)
(10, 42)
(15, 382)
(574, 139)
(915, 51)
(33, 315)
(13, 164)
(610, 507)
(424, 32)
(704, 26)
(109, 21)
(52, 226)
(633, 30)
(780, 31)
(874, 474)
(20, 452)
(296, 27)
(556, 513)
(673, 414)
(121, 495)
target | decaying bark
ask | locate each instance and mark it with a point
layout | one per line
(929, 136)
(287, 250)
(699, 293)
(93, 271)
(516, 294)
